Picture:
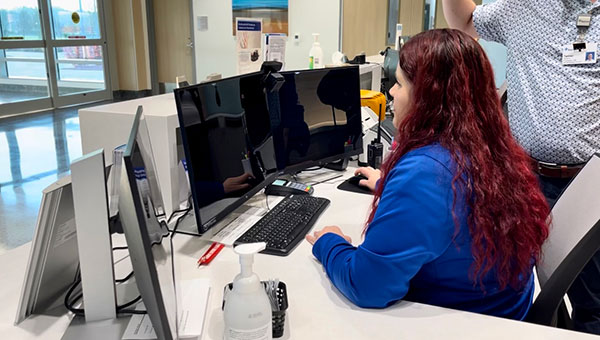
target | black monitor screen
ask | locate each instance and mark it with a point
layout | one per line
(319, 118)
(228, 143)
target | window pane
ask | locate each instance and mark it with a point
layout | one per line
(80, 69)
(75, 19)
(20, 20)
(22, 75)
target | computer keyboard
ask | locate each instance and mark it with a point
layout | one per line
(286, 224)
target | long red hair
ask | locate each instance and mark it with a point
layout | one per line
(454, 103)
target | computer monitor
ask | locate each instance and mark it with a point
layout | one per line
(226, 132)
(319, 120)
(145, 233)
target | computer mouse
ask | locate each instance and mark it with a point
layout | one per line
(355, 180)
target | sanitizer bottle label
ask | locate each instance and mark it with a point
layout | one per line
(262, 333)
(311, 62)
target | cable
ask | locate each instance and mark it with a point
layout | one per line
(69, 303)
(173, 276)
(326, 180)
(125, 278)
(132, 311)
(186, 210)
(185, 213)
(314, 168)
(121, 308)
(81, 312)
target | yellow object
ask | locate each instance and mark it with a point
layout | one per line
(75, 17)
(375, 101)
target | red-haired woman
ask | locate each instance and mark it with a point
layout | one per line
(458, 219)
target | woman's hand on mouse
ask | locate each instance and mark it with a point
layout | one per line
(329, 229)
(372, 175)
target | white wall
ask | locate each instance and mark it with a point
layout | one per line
(497, 55)
(215, 48)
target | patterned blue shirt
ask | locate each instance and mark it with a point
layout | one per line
(554, 110)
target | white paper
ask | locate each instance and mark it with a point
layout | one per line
(139, 327)
(239, 226)
(398, 35)
(194, 301)
(248, 45)
(275, 47)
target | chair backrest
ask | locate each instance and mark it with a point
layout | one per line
(574, 238)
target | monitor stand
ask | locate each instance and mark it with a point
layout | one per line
(340, 165)
(112, 329)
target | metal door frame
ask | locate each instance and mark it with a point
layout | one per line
(48, 43)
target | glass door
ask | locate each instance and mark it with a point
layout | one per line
(24, 82)
(76, 51)
(52, 54)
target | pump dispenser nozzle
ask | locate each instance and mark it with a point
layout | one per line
(246, 252)
(316, 38)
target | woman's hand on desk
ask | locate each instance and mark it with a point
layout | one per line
(372, 175)
(329, 229)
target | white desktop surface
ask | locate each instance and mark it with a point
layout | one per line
(316, 309)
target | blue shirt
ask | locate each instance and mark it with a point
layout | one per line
(554, 110)
(410, 250)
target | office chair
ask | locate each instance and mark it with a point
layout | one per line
(574, 238)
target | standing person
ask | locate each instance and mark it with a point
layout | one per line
(553, 105)
(458, 219)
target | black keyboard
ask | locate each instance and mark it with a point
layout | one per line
(286, 224)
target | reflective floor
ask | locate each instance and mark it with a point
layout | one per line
(11, 97)
(35, 150)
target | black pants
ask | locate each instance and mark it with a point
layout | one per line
(584, 294)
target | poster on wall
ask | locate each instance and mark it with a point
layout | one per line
(274, 14)
(249, 45)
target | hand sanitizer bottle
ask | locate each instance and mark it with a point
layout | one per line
(247, 309)
(316, 54)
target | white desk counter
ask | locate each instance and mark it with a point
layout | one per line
(316, 309)
(108, 126)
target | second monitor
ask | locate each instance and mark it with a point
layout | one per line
(319, 118)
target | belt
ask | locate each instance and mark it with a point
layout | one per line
(556, 170)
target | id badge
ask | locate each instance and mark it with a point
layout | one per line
(588, 55)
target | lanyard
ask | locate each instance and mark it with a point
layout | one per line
(583, 23)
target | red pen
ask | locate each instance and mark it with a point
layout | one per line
(211, 253)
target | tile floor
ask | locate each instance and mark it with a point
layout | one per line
(35, 150)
